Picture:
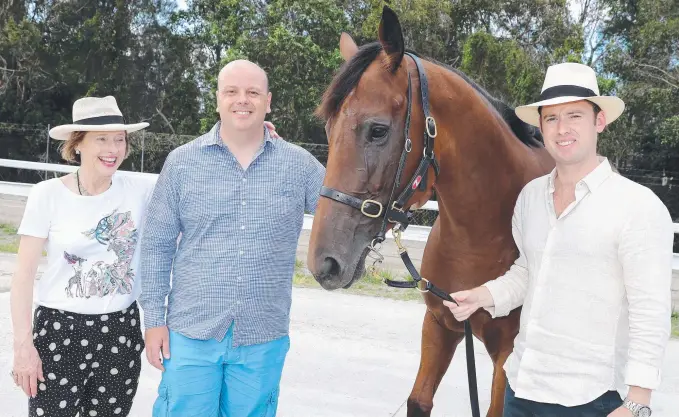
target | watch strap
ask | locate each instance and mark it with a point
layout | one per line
(635, 408)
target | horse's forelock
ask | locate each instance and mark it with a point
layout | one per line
(347, 79)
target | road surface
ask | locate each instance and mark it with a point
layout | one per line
(350, 356)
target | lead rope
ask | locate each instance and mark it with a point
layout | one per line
(468, 336)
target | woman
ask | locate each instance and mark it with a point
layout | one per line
(83, 353)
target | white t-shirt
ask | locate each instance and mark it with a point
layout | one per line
(91, 243)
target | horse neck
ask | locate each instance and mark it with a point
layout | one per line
(483, 165)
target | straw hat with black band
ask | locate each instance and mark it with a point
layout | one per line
(100, 114)
(568, 82)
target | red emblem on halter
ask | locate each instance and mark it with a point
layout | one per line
(417, 181)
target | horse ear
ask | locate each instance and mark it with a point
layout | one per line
(347, 46)
(391, 37)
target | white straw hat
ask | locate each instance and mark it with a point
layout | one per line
(569, 82)
(95, 114)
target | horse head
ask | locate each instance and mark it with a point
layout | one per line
(365, 109)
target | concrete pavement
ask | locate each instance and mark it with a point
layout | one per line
(7, 266)
(350, 356)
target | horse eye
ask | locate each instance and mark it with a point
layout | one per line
(378, 132)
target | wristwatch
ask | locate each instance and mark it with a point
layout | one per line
(638, 410)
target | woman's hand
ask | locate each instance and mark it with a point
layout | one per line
(27, 364)
(27, 368)
(272, 129)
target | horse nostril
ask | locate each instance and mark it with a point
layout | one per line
(330, 267)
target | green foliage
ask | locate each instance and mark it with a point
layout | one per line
(642, 56)
(607, 86)
(7, 229)
(426, 25)
(9, 241)
(668, 131)
(572, 49)
(9, 248)
(161, 63)
(502, 67)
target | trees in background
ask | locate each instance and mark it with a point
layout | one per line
(161, 63)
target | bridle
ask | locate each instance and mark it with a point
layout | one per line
(394, 212)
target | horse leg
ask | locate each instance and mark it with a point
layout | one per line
(438, 347)
(497, 393)
(499, 344)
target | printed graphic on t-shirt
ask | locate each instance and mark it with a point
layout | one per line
(76, 280)
(118, 233)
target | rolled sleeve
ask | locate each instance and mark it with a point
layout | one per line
(642, 375)
(509, 290)
(159, 243)
(314, 180)
(645, 253)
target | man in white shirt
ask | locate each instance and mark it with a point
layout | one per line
(593, 273)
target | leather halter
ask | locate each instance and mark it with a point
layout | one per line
(393, 212)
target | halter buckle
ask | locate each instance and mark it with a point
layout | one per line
(428, 156)
(366, 213)
(431, 126)
(426, 283)
(396, 232)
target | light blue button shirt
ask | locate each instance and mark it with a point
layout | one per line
(239, 232)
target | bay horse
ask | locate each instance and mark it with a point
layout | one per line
(482, 157)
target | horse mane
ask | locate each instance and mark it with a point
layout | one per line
(351, 72)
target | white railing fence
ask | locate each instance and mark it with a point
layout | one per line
(415, 233)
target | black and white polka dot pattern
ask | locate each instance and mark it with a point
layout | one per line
(91, 363)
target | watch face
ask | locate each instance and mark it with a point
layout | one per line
(644, 412)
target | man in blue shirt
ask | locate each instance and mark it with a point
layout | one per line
(224, 221)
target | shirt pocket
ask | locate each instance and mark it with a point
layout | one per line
(287, 197)
(207, 203)
(277, 209)
(280, 200)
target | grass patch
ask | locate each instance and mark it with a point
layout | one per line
(9, 247)
(675, 325)
(9, 241)
(7, 229)
(370, 284)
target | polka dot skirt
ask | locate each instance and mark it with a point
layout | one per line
(91, 363)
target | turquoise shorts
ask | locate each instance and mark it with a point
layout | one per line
(207, 378)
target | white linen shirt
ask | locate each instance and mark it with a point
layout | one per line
(595, 288)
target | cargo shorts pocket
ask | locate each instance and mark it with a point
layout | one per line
(161, 407)
(272, 404)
